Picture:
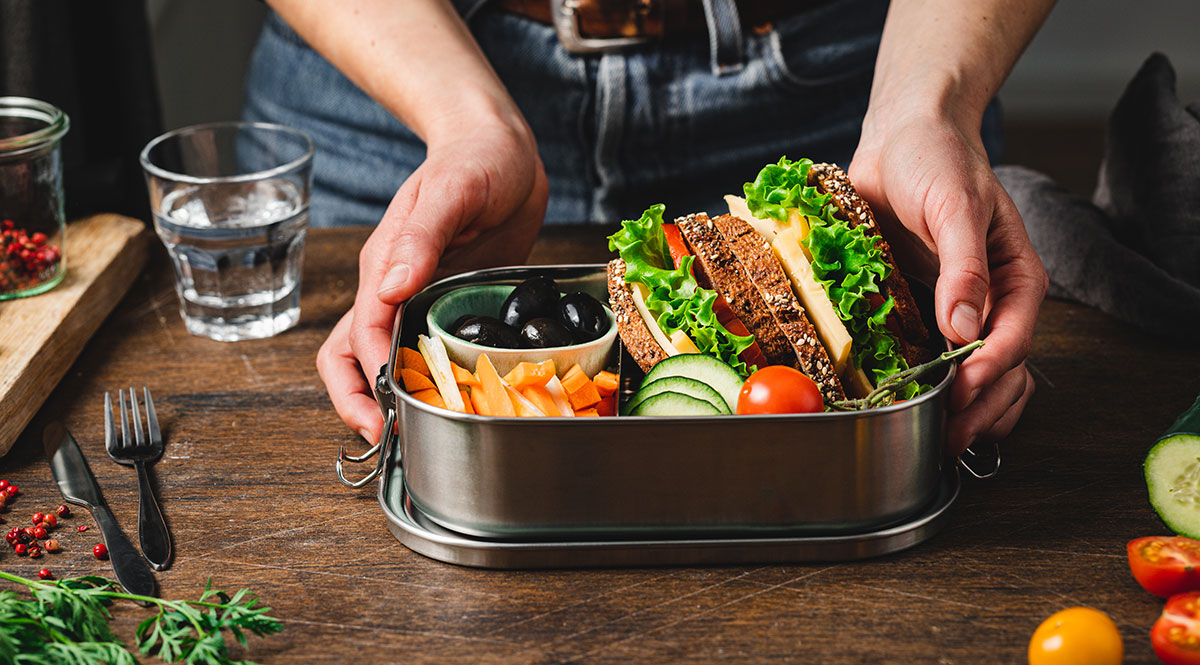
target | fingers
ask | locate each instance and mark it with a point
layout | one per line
(962, 285)
(1018, 285)
(993, 414)
(426, 222)
(349, 390)
(1009, 420)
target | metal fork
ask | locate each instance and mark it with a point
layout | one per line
(134, 449)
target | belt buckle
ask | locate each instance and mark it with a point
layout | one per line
(566, 25)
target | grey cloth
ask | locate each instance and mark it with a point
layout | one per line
(1134, 250)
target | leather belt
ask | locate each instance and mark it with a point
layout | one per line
(589, 26)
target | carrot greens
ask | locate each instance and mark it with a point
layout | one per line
(67, 623)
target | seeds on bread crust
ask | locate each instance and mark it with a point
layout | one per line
(744, 270)
(729, 279)
(636, 337)
(768, 278)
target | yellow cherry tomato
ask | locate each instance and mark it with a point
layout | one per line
(1076, 636)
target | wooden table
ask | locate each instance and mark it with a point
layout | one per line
(247, 484)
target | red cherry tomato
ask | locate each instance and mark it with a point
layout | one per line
(1176, 635)
(1165, 566)
(779, 389)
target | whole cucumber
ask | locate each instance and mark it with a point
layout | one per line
(1172, 469)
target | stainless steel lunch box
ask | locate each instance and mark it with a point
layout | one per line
(529, 479)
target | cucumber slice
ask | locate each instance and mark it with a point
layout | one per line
(1172, 469)
(705, 369)
(678, 384)
(674, 404)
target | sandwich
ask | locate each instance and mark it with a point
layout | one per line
(711, 286)
(840, 268)
(796, 274)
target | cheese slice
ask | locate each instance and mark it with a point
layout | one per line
(785, 239)
(639, 301)
(800, 224)
(683, 343)
(830, 327)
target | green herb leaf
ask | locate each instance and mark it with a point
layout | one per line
(674, 298)
(66, 623)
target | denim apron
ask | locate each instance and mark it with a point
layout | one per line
(681, 123)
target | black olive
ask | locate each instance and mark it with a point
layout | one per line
(459, 321)
(536, 296)
(488, 331)
(543, 333)
(583, 316)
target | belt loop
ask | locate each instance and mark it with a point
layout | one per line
(724, 36)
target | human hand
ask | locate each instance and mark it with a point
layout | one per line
(477, 201)
(933, 177)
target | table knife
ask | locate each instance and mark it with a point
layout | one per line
(78, 486)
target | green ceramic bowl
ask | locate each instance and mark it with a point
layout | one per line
(485, 300)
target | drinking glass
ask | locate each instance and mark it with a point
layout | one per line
(230, 202)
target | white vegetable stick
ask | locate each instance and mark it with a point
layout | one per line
(559, 395)
(513, 394)
(434, 352)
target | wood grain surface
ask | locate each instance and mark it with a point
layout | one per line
(248, 487)
(41, 336)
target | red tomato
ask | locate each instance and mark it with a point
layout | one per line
(779, 389)
(753, 355)
(1176, 635)
(876, 300)
(675, 244)
(1165, 566)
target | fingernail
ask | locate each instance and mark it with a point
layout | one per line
(971, 441)
(366, 434)
(965, 321)
(395, 278)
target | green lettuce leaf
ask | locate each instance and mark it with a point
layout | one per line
(674, 298)
(782, 186)
(845, 261)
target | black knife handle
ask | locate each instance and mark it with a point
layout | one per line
(131, 570)
(152, 529)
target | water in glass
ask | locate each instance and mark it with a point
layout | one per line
(237, 249)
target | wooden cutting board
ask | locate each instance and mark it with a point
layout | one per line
(41, 336)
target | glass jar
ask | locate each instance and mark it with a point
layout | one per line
(32, 224)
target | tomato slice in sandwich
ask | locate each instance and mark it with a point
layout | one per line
(752, 355)
(679, 249)
(675, 244)
(876, 300)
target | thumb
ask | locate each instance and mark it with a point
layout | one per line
(962, 284)
(425, 224)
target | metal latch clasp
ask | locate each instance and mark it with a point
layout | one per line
(383, 395)
(566, 24)
(991, 460)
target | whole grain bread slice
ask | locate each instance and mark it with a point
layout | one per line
(636, 337)
(767, 276)
(770, 312)
(831, 179)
